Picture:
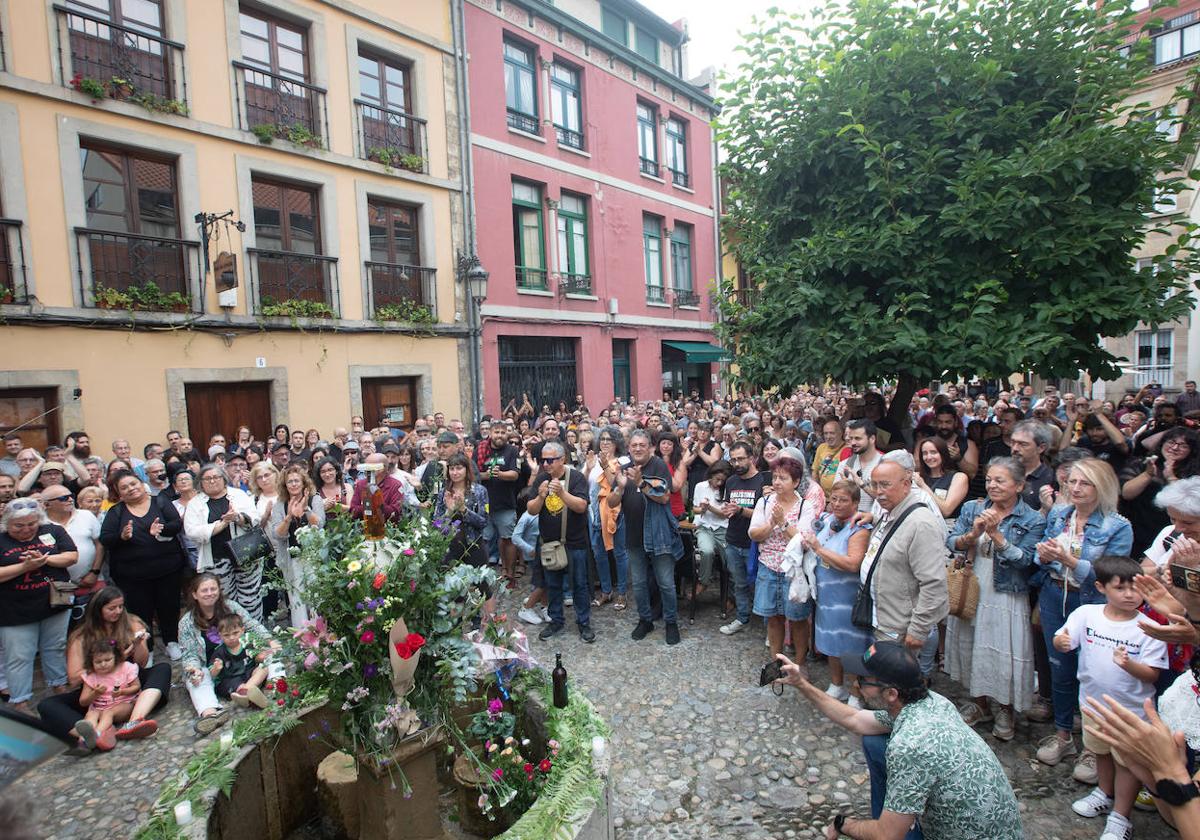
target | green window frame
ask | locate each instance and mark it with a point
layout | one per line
(681, 257)
(645, 45)
(677, 149)
(652, 258)
(572, 236)
(529, 240)
(566, 104)
(520, 86)
(647, 129)
(614, 26)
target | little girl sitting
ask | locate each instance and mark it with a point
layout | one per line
(110, 685)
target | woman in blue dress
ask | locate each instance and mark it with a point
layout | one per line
(840, 548)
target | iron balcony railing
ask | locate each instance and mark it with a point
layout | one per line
(532, 278)
(684, 297)
(680, 178)
(133, 271)
(13, 285)
(127, 61)
(391, 137)
(281, 276)
(278, 106)
(648, 167)
(567, 137)
(655, 294)
(403, 287)
(575, 284)
(1154, 374)
(524, 122)
(747, 298)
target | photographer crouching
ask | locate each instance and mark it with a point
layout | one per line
(932, 776)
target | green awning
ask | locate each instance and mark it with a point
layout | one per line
(700, 351)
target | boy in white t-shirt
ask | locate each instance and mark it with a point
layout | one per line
(1118, 659)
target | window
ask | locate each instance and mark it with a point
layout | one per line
(385, 108)
(274, 75)
(1164, 200)
(129, 192)
(614, 26)
(573, 242)
(123, 39)
(647, 119)
(392, 229)
(384, 83)
(652, 254)
(528, 242)
(286, 217)
(565, 105)
(1155, 352)
(287, 263)
(646, 45)
(681, 257)
(520, 87)
(677, 62)
(677, 152)
(400, 287)
(274, 46)
(1180, 39)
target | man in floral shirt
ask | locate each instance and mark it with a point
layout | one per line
(925, 763)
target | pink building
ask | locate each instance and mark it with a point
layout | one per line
(595, 201)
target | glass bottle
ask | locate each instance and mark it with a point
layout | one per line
(373, 523)
(559, 678)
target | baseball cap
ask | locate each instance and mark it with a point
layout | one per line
(350, 446)
(447, 437)
(54, 465)
(894, 664)
(390, 449)
(214, 451)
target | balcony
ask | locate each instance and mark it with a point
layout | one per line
(680, 179)
(290, 284)
(1163, 375)
(524, 122)
(393, 138)
(12, 262)
(402, 292)
(135, 272)
(575, 284)
(567, 137)
(106, 59)
(655, 294)
(277, 107)
(684, 297)
(648, 167)
(532, 279)
(747, 298)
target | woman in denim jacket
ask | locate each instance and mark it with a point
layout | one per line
(1078, 533)
(993, 654)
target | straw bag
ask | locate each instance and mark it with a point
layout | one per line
(963, 587)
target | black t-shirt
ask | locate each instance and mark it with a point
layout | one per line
(697, 470)
(745, 493)
(633, 502)
(1034, 482)
(143, 556)
(502, 495)
(25, 599)
(1106, 451)
(550, 524)
(220, 541)
(234, 666)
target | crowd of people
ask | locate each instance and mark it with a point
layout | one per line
(836, 521)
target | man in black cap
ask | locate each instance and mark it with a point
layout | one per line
(925, 763)
(434, 477)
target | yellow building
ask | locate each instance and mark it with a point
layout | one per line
(330, 131)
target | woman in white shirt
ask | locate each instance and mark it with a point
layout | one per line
(710, 523)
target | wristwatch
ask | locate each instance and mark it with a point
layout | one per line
(1174, 793)
(838, 822)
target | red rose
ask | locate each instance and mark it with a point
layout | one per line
(367, 637)
(281, 701)
(281, 685)
(295, 692)
(544, 765)
(380, 580)
(528, 768)
(412, 643)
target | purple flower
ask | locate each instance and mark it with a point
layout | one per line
(495, 706)
(359, 605)
(370, 670)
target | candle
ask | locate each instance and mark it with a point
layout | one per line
(183, 813)
(599, 749)
(226, 740)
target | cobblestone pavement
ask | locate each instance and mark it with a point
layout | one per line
(699, 751)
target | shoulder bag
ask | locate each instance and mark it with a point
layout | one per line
(554, 553)
(963, 586)
(249, 546)
(863, 613)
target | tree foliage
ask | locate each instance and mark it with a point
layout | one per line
(946, 189)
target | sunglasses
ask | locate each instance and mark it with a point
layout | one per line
(61, 499)
(550, 460)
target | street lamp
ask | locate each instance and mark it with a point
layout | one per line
(475, 279)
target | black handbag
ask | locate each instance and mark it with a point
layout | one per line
(250, 546)
(863, 613)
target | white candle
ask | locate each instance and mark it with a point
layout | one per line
(183, 813)
(226, 740)
(599, 748)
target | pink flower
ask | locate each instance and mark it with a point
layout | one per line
(498, 773)
(367, 637)
(408, 552)
(496, 706)
(412, 586)
(311, 661)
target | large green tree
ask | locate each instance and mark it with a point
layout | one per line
(942, 190)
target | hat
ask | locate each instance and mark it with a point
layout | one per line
(214, 451)
(806, 426)
(54, 465)
(447, 437)
(390, 449)
(894, 664)
(350, 446)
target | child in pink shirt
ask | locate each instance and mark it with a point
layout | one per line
(110, 685)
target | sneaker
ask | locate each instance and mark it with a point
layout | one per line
(1095, 804)
(544, 612)
(551, 630)
(174, 651)
(208, 724)
(87, 733)
(854, 702)
(973, 714)
(734, 626)
(568, 601)
(79, 750)
(672, 634)
(1052, 749)
(639, 632)
(601, 599)
(1144, 801)
(1085, 768)
(619, 602)
(1041, 711)
(1117, 828)
(107, 739)
(530, 615)
(135, 729)
(587, 633)
(1005, 726)
(838, 692)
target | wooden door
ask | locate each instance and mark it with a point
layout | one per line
(20, 406)
(220, 407)
(391, 402)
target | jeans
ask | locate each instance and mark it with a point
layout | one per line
(619, 552)
(1064, 667)
(875, 750)
(578, 576)
(735, 559)
(709, 542)
(24, 642)
(491, 542)
(664, 575)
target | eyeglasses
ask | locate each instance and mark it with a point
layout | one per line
(872, 683)
(213, 478)
(881, 485)
(61, 499)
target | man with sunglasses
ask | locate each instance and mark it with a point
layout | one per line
(84, 530)
(925, 763)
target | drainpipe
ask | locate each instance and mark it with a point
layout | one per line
(713, 306)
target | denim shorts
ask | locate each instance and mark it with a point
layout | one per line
(770, 597)
(504, 521)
